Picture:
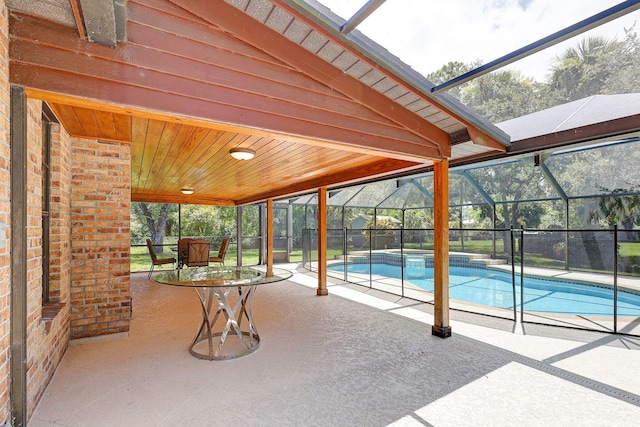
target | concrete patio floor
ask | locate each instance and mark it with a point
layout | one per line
(353, 358)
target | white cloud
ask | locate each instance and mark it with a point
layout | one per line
(428, 34)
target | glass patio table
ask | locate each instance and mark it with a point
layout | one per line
(226, 330)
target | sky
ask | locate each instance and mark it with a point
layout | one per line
(427, 34)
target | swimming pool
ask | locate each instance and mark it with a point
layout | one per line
(494, 288)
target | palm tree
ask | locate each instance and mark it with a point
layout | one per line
(582, 71)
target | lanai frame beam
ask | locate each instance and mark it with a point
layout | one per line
(545, 42)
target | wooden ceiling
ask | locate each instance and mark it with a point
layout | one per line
(184, 90)
(168, 155)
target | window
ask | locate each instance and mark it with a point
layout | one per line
(46, 186)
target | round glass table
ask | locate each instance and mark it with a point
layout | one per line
(226, 294)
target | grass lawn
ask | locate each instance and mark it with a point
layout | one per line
(629, 249)
(141, 261)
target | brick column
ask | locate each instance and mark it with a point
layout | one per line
(100, 210)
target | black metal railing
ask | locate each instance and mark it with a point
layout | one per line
(579, 278)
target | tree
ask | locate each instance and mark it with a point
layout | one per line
(498, 96)
(418, 218)
(624, 66)
(504, 95)
(513, 185)
(206, 221)
(155, 216)
(451, 70)
(384, 233)
(583, 70)
(620, 206)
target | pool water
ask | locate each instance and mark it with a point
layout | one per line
(494, 288)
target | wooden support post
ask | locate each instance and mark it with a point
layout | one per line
(441, 327)
(322, 242)
(269, 237)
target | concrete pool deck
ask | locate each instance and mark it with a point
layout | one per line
(357, 357)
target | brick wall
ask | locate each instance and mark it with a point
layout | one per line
(46, 339)
(100, 210)
(5, 208)
(34, 247)
(60, 216)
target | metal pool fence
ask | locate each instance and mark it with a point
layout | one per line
(543, 267)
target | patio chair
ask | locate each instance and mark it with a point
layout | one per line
(198, 253)
(155, 260)
(183, 248)
(222, 252)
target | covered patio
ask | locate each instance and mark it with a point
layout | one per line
(356, 357)
(110, 102)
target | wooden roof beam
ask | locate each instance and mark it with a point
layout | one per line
(374, 170)
(192, 199)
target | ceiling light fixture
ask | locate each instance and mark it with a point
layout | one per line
(242, 153)
(187, 191)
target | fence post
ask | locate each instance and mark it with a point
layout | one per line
(370, 258)
(513, 275)
(402, 263)
(615, 278)
(344, 251)
(566, 237)
(521, 274)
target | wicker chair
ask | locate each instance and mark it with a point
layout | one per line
(198, 253)
(154, 258)
(222, 252)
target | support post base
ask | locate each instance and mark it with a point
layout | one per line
(322, 292)
(441, 331)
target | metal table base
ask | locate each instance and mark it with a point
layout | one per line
(226, 330)
(225, 311)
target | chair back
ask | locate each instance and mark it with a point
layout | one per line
(152, 251)
(183, 245)
(221, 252)
(198, 253)
(223, 248)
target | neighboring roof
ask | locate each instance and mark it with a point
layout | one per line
(573, 115)
(585, 121)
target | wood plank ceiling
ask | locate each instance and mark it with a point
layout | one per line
(197, 78)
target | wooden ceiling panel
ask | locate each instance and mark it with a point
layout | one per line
(66, 114)
(90, 123)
